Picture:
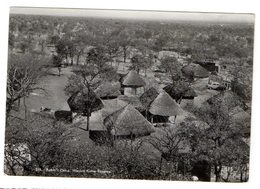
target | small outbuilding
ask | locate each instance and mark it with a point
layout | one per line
(108, 90)
(195, 70)
(85, 102)
(163, 107)
(132, 83)
(183, 94)
(146, 99)
(128, 123)
(124, 100)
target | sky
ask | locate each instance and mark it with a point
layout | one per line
(144, 15)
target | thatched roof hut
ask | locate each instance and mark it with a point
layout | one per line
(180, 91)
(164, 105)
(111, 106)
(148, 97)
(108, 90)
(133, 100)
(228, 99)
(128, 122)
(133, 79)
(195, 70)
(190, 94)
(85, 100)
(238, 115)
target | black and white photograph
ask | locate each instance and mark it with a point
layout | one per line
(129, 94)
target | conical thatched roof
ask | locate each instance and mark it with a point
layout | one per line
(228, 99)
(237, 114)
(133, 100)
(196, 70)
(133, 79)
(190, 93)
(111, 106)
(128, 121)
(108, 89)
(180, 90)
(164, 105)
(81, 101)
(148, 97)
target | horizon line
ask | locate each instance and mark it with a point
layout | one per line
(137, 14)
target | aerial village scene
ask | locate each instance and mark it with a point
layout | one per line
(128, 98)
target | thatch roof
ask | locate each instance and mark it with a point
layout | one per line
(190, 93)
(164, 105)
(128, 121)
(110, 107)
(180, 90)
(81, 101)
(196, 70)
(228, 99)
(132, 79)
(108, 89)
(148, 97)
(239, 115)
(133, 100)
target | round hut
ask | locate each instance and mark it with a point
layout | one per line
(127, 123)
(146, 99)
(182, 93)
(195, 70)
(124, 100)
(131, 83)
(227, 99)
(85, 102)
(108, 90)
(163, 107)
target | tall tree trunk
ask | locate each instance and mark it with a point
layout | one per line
(59, 70)
(88, 122)
(160, 166)
(124, 50)
(217, 170)
(19, 103)
(25, 108)
(71, 60)
(66, 57)
(77, 61)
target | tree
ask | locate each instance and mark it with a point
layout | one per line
(170, 142)
(177, 90)
(138, 62)
(141, 62)
(54, 39)
(57, 62)
(124, 41)
(218, 139)
(87, 78)
(24, 74)
(43, 140)
(160, 42)
(11, 40)
(111, 44)
(66, 48)
(171, 65)
(179, 85)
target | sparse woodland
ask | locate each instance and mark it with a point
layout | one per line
(76, 56)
